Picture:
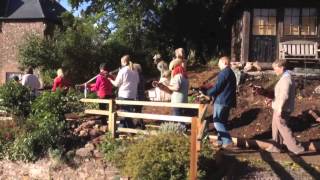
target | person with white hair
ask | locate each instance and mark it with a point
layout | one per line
(162, 66)
(59, 81)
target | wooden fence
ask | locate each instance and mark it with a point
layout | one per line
(197, 122)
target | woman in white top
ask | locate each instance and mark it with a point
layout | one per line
(127, 81)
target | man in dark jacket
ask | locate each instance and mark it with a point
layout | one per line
(224, 95)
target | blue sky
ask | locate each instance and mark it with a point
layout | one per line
(66, 5)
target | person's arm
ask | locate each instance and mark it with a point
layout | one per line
(283, 95)
(55, 84)
(221, 83)
(96, 86)
(118, 81)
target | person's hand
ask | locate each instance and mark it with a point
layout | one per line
(155, 83)
(268, 102)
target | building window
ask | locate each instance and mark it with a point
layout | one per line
(300, 21)
(264, 22)
(10, 75)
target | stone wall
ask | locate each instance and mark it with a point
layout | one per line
(12, 35)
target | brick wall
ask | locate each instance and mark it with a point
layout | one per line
(11, 36)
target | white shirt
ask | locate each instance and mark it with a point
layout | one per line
(31, 81)
(127, 80)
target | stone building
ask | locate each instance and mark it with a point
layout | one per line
(18, 18)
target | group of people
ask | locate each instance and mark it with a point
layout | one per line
(130, 83)
(32, 82)
(223, 94)
(174, 81)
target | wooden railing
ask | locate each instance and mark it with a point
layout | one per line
(197, 122)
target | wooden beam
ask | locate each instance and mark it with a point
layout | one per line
(143, 103)
(193, 150)
(86, 100)
(201, 131)
(183, 119)
(136, 131)
(159, 104)
(96, 112)
(245, 36)
(112, 125)
(246, 143)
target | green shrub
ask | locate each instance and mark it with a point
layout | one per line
(15, 99)
(165, 156)
(46, 128)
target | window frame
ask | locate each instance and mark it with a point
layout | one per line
(267, 26)
(300, 24)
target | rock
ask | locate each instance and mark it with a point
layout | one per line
(257, 66)
(84, 152)
(83, 133)
(248, 67)
(97, 140)
(90, 146)
(94, 133)
(317, 90)
(104, 128)
(97, 154)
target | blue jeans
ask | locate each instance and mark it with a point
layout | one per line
(220, 117)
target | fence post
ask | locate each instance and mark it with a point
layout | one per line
(112, 118)
(193, 150)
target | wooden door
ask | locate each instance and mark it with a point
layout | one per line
(263, 40)
(263, 48)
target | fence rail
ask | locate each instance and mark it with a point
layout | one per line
(198, 123)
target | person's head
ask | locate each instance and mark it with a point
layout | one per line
(224, 62)
(60, 72)
(126, 61)
(103, 67)
(279, 66)
(15, 78)
(179, 53)
(156, 58)
(29, 70)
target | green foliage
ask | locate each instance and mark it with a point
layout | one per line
(46, 128)
(165, 156)
(15, 99)
(111, 148)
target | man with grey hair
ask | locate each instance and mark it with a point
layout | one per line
(162, 66)
(282, 105)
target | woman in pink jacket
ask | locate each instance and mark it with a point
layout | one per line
(103, 86)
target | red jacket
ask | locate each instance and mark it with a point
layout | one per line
(59, 82)
(103, 86)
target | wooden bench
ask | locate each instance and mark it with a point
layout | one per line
(298, 50)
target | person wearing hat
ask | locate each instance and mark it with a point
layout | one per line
(162, 66)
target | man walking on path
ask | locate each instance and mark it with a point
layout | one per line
(283, 105)
(224, 94)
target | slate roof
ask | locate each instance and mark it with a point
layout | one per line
(31, 9)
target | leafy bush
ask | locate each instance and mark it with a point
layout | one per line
(46, 128)
(164, 156)
(15, 99)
